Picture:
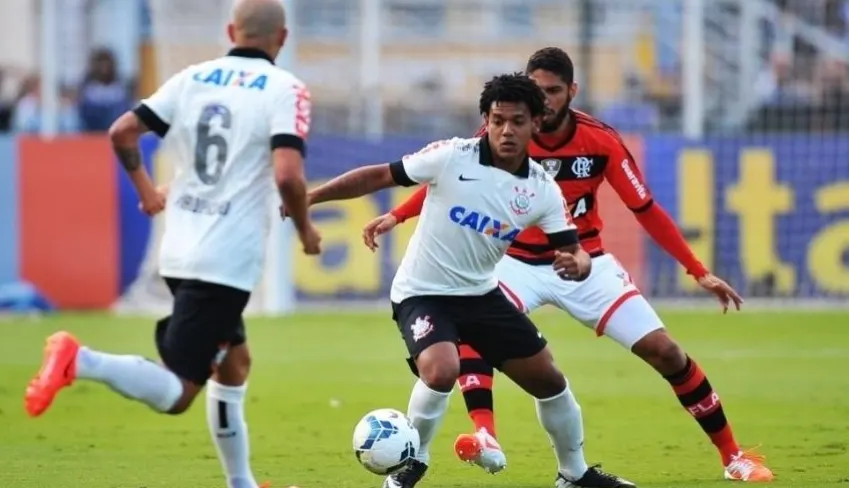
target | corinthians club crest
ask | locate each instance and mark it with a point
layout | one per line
(521, 203)
(551, 166)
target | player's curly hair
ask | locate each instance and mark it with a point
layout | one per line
(513, 88)
(554, 60)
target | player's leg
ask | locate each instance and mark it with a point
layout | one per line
(135, 377)
(225, 399)
(613, 304)
(184, 346)
(429, 331)
(480, 447)
(508, 339)
(689, 383)
(522, 287)
(476, 382)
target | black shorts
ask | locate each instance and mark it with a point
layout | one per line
(206, 319)
(489, 323)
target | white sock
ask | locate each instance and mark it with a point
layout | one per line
(134, 377)
(225, 414)
(560, 416)
(426, 410)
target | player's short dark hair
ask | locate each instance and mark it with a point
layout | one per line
(554, 60)
(513, 88)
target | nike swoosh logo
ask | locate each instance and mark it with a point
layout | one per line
(463, 178)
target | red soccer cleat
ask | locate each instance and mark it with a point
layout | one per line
(58, 370)
(748, 466)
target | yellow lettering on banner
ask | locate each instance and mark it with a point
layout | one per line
(696, 208)
(401, 235)
(758, 198)
(827, 248)
(359, 271)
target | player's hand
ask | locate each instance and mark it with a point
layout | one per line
(722, 290)
(154, 203)
(376, 227)
(573, 267)
(310, 239)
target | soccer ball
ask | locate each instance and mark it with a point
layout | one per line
(385, 441)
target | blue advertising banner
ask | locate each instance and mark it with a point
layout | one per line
(769, 213)
(347, 269)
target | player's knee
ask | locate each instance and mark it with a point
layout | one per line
(235, 368)
(661, 352)
(439, 376)
(439, 366)
(539, 376)
(551, 384)
(190, 392)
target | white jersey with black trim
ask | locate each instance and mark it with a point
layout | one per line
(473, 211)
(222, 118)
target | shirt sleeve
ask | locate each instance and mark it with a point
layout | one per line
(290, 119)
(158, 111)
(424, 166)
(555, 217)
(627, 180)
(411, 207)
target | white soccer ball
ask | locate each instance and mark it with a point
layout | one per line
(385, 441)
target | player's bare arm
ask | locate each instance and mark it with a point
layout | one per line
(125, 134)
(354, 184)
(292, 185)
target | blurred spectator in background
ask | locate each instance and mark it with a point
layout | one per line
(27, 111)
(632, 112)
(832, 81)
(778, 84)
(5, 105)
(103, 97)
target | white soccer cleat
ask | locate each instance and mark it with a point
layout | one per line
(482, 449)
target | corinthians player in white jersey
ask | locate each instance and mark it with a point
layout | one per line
(227, 120)
(482, 193)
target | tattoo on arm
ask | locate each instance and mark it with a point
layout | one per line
(130, 158)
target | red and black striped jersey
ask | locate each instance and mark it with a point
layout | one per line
(580, 162)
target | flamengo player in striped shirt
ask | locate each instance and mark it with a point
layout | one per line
(581, 153)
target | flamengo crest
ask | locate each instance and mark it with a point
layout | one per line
(582, 166)
(521, 203)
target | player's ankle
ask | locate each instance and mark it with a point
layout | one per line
(728, 452)
(484, 420)
(241, 482)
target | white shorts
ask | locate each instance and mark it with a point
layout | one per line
(607, 301)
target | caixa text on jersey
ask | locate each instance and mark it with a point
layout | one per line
(483, 224)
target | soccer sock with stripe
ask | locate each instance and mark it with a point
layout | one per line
(426, 410)
(225, 414)
(476, 377)
(696, 394)
(132, 376)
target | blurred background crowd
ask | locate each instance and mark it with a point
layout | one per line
(767, 64)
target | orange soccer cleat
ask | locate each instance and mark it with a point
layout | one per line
(748, 466)
(481, 449)
(58, 370)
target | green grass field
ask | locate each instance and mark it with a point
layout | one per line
(783, 377)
